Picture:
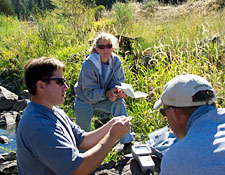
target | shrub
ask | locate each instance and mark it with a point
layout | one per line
(150, 4)
(122, 16)
(221, 3)
(99, 11)
(6, 7)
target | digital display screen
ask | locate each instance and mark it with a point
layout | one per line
(141, 149)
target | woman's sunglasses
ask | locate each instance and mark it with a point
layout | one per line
(108, 46)
(59, 81)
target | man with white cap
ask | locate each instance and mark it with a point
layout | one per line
(189, 104)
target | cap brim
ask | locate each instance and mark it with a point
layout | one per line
(157, 104)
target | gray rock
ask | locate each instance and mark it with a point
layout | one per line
(8, 163)
(7, 98)
(125, 166)
(9, 118)
(20, 105)
(25, 95)
(2, 120)
(8, 156)
(4, 140)
(8, 167)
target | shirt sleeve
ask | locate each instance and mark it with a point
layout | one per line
(58, 152)
(78, 133)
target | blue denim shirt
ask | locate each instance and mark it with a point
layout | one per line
(202, 150)
(201, 111)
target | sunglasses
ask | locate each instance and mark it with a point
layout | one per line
(163, 110)
(108, 46)
(59, 81)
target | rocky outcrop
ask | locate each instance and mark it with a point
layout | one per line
(8, 163)
(12, 106)
(7, 99)
(9, 117)
(125, 166)
(4, 140)
(11, 109)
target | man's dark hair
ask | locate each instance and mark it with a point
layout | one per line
(205, 95)
(40, 69)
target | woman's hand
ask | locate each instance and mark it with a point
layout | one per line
(112, 94)
(121, 93)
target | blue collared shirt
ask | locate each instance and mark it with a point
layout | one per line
(202, 150)
(198, 113)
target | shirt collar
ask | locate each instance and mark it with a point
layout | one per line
(42, 107)
(197, 114)
(96, 60)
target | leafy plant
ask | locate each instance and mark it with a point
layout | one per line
(6, 8)
(150, 4)
(221, 3)
(99, 10)
(122, 16)
(75, 15)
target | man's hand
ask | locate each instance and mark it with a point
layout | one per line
(120, 127)
(112, 95)
(104, 139)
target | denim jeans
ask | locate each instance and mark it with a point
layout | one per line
(85, 111)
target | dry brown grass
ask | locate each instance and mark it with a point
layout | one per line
(165, 12)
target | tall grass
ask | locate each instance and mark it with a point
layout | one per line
(122, 17)
(181, 44)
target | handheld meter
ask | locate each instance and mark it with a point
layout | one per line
(142, 153)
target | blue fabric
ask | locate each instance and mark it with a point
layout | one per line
(84, 113)
(105, 71)
(201, 111)
(202, 150)
(47, 142)
(91, 87)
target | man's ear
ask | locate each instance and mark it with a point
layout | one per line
(179, 117)
(180, 121)
(176, 114)
(40, 85)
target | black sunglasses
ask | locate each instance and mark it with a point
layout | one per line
(162, 110)
(59, 81)
(108, 46)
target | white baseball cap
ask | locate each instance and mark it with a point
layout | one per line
(178, 92)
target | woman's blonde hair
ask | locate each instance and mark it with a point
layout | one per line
(104, 36)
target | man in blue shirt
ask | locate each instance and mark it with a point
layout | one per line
(189, 104)
(48, 142)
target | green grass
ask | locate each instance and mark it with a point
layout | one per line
(6, 149)
(180, 44)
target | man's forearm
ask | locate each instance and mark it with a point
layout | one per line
(94, 156)
(93, 137)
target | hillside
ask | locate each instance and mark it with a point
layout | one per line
(165, 12)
